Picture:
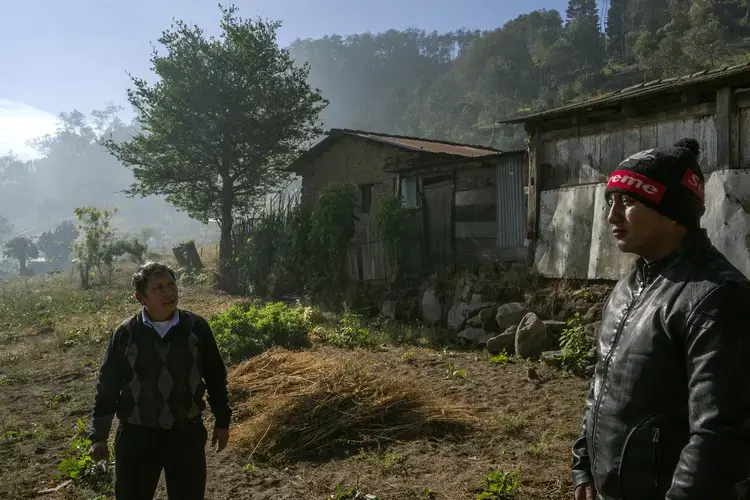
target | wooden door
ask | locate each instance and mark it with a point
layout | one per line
(438, 197)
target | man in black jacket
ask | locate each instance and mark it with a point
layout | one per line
(668, 412)
(156, 369)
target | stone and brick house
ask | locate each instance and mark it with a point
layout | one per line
(467, 200)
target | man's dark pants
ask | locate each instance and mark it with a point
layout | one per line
(142, 452)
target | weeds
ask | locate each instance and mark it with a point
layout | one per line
(246, 330)
(348, 333)
(452, 372)
(350, 493)
(575, 346)
(499, 485)
(499, 359)
(79, 466)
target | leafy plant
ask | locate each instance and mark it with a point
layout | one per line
(453, 372)
(499, 485)
(56, 245)
(331, 228)
(347, 334)
(393, 229)
(79, 466)
(499, 359)
(350, 493)
(246, 330)
(575, 345)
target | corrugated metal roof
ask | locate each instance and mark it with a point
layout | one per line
(641, 90)
(421, 144)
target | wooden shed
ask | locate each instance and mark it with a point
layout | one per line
(455, 191)
(573, 149)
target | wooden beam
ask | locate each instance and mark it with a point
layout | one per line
(614, 125)
(724, 135)
(532, 214)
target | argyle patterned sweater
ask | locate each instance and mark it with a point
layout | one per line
(160, 382)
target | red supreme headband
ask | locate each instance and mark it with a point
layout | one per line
(650, 189)
(637, 184)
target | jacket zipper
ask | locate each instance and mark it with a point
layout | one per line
(655, 441)
(641, 287)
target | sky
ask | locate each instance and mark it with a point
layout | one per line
(60, 55)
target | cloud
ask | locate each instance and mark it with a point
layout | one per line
(20, 122)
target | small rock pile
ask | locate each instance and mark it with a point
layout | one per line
(509, 327)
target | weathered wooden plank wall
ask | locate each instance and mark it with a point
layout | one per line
(573, 159)
(475, 225)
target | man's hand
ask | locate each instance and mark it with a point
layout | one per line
(585, 492)
(99, 451)
(220, 437)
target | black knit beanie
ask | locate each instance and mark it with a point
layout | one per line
(668, 180)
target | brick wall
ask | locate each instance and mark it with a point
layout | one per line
(360, 162)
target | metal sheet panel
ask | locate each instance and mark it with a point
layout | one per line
(565, 222)
(727, 217)
(511, 201)
(575, 241)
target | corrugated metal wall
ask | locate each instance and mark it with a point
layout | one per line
(511, 200)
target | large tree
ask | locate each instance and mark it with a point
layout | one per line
(21, 249)
(221, 123)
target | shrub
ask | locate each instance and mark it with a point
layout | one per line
(348, 333)
(575, 346)
(499, 485)
(246, 330)
(79, 466)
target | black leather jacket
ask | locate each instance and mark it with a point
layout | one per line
(668, 412)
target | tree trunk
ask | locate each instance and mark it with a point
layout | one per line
(226, 279)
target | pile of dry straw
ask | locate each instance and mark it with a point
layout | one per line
(310, 403)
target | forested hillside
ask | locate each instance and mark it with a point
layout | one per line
(445, 85)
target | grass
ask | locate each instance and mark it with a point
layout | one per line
(318, 404)
(396, 411)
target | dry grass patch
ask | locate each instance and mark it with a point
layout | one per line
(321, 403)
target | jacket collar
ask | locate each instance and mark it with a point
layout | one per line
(693, 241)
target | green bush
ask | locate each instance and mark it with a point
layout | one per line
(347, 334)
(246, 330)
(79, 466)
(575, 346)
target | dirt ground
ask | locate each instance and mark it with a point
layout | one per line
(528, 419)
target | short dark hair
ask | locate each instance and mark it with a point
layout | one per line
(145, 271)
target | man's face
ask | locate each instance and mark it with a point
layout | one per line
(161, 296)
(637, 228)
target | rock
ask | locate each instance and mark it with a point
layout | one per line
(431, 310)
(476, 336)
(510, 314)
(473, 309)
(590, 370)
(457, 316)
(555, 327)
(487, 317)
(477, 298)
(475, 322)
(393, 309)
(504, 342)
(593, 314)
(552, 358)
(533, 337)
(466, 293)
(592, 331)
(591, 356)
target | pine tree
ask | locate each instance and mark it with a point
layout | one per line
(583, 33)
(616, 27)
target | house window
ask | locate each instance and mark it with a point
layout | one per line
(409, 192)
(365, 197)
